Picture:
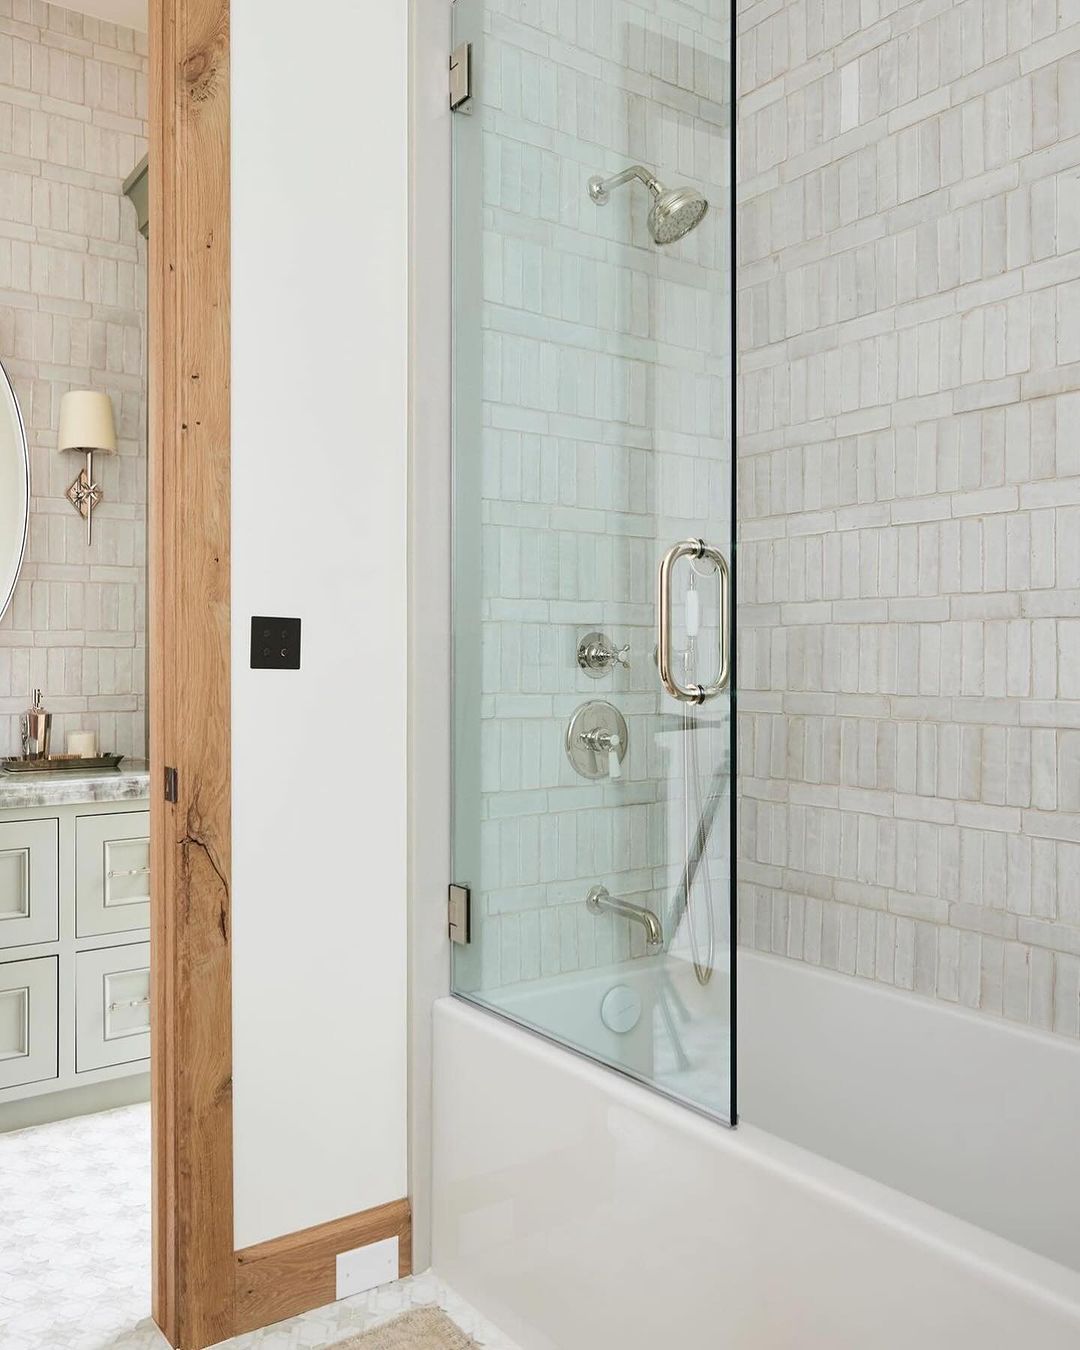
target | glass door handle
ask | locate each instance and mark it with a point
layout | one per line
(694, 693)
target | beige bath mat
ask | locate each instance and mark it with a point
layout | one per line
(423, 1329)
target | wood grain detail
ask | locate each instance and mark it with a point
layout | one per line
(190, 660)
(289, 1275)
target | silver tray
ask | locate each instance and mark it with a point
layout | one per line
(54, 764)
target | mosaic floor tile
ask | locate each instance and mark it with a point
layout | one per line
(75, 1251)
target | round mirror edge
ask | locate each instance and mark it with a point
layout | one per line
(5, 600)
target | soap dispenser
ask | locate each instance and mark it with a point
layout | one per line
(36, 730)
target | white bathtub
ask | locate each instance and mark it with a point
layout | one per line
(582, 1211)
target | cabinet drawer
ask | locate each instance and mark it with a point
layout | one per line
(29, 882)
(27, 1021)
(112, 1006)
(112, 873)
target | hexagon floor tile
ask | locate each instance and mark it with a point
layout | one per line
(75, 1251)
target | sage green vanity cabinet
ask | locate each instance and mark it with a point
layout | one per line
(28, 1040)
(29, 882)
(112, 1006)
(112, 873)
(74, 945)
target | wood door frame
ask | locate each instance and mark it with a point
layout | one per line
(204, 1291)
(190, 671)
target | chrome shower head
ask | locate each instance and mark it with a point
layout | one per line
(675, 211)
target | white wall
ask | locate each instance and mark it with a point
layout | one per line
(429, 589)
(319, 498)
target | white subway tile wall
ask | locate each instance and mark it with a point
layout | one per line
(909, 495)
(73, 103)
(606, 401)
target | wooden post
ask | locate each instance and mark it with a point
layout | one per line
(190, 658)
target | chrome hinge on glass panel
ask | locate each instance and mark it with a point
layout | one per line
(460, 915)
(460, 77)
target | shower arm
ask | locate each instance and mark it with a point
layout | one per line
(600, 189)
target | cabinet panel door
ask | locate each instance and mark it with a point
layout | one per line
(112, 1006)
(29, 882)
(112, 873)
(27, 1021)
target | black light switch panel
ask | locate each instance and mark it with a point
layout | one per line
(275, 644)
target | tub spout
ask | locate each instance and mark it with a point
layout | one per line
(600, 901)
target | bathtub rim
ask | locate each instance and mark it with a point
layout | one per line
(983, 1254)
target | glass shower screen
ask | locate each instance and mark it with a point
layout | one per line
(593, 524)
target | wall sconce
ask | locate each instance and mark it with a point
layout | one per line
(87, 425)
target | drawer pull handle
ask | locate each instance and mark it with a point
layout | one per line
(123, 1003)
(131, 872)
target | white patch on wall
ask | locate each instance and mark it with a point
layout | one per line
(367, 1267)
(1068, 211)
(849, 96)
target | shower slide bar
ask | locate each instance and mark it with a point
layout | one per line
(695, 693)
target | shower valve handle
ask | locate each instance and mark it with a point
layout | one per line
(597, 654)
(600, 741)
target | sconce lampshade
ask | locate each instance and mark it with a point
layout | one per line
(87, 422)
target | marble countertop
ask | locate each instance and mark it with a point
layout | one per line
(131, 782)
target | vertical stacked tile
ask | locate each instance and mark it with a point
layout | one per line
(909, 496)
(73, 314)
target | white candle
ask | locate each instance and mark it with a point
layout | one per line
(83, 744)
